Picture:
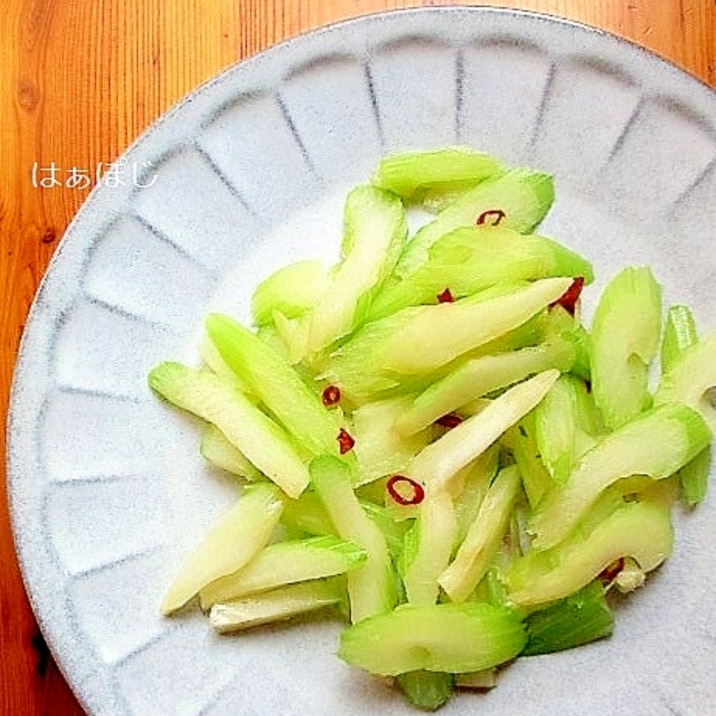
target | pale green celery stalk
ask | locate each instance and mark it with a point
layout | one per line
(638, 529)
(216, 449)
(393, 530)
(232, 542)
(476, 551)
(657, 444)
(283, 563)
(379, 448)
(371, 589)
(406, 173)
(279, 386)
(520, 440)
(375, 233)
(422, 339)
(691, 379)
(264, 443)
(473, 258)
(524, 195)
(578, 619)
(679, 333)
(556, 422)
(292, 290)
(442, 459)
(426, 690)
(478, 476)
(450, 638)
(212, 359)
(436, 532)
(277, 605)
(625, 338)
(306, 514)
(479, 376)
(484, 679)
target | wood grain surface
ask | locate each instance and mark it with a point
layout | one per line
(80, 80)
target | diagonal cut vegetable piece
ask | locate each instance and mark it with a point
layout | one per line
(372, 588)
(231, 543)
(439, 461)
(656, 444)
(258, 437)
(478, 548)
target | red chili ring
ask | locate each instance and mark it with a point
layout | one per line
(418, 490)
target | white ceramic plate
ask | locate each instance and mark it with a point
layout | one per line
(107, 490)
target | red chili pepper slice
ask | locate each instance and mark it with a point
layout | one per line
(449, 421)
(417, 490)
(568, 300)
(331, 395)
(497, 216)
(610, 572)
(446, 296)
(345, 441)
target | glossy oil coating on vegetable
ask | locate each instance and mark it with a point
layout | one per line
(430, 443)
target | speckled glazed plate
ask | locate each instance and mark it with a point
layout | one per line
(249, 172)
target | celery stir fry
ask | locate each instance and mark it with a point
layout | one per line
(429, 441)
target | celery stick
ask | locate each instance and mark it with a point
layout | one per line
(252, 432)
(448, 638)
(578, 619)
(484, 679)
(472, 258)
(421, 339)
(641, 530)
(216, 449)
(426, 690)
(631, 450)
(694, 478)
(375, 232)
(478, 476)
(435, 532)
(479, 376)
(625, 338)
(292, 290)
(679, 334)
(441, 460)
(406, 173)
(473, 556)
(523, 195)
(276, 605)
(230, 544)
(308, 515)
(280, 387)
(371, 589)
(284, 563)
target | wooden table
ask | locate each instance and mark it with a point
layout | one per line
(80, 80)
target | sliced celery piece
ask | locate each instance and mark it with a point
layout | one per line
(216, 449)
(442, 459)
(280, 387)
(277, 605)
(421, 339)
(407, 172)
(255, 434)
(679, 333)
(426, 690)
(472, 258)
(473, 556)
(450, 638)
(625, 338)
(692, 379)
(640, 529)
(306, 514)
(292, 290)
(484, 679)
(694, 478)
(284, 563)
(230, 544)
(375, 232)
(477, 478)
(657, 443)
(522, 194)
(371, 589)
(479, 376)
(435, 534)
(578, 619)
